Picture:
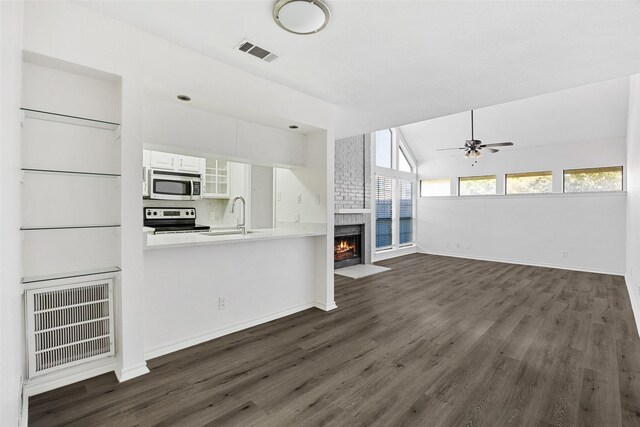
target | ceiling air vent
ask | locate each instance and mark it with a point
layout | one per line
(257, 51)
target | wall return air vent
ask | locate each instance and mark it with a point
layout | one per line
(68, 325)
(257, 51)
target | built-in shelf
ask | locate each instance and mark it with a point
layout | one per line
(70, 172)
(70, 275)
(64, 227)
(72, 120)
(352, 211)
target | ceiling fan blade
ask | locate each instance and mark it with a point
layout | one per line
(445, 149)
(491, 150)
(498, 144)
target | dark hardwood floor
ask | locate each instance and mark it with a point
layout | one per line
(436, 341)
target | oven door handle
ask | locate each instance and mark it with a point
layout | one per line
(191, 189)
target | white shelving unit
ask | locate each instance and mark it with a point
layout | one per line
(71, 214)
(70, 205)
(216, 179)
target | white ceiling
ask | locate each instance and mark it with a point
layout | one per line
(596, 112)
(387, 63)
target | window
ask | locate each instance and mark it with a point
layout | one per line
(477, 185)
(394, 195)
(593, 179)
(384, 212)
(403, 162)
(384, 148)
(435, 187)
(407, 196)
(529, 182)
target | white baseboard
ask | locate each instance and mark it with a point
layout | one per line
(393, 253)
(132, 372)
(68, 376)
(326, 307)
(635, 301)
(519, 262)
(198, 339)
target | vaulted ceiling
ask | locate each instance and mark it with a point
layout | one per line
(388, 63)
(595, 112)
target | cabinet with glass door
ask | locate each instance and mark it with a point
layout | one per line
(216, 179)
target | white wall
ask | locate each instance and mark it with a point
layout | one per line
(633, 197)
(534, 229)
(262, 197)
(12, 363)
(528, 229)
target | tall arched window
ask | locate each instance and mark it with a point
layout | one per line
(394, 191)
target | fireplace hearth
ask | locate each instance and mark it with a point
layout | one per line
(348, 246)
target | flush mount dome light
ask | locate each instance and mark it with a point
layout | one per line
(301, 16)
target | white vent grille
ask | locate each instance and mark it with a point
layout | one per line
(257, 51)
(68, 325)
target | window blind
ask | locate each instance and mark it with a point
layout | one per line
(407, 194)
(384, 211)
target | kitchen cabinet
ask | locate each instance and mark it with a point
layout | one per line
(276, 146)
(216, 179)
(160, 160)
(173, 125)
(175, 162)
(189, 163)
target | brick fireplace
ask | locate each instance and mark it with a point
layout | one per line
(352, 242)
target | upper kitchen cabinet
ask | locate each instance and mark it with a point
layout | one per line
(270, 145)
(173, 125)
(175, 162)
(170, 125)
(216, 179)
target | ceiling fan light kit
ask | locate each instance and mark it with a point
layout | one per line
(301, 16)
(472, 147)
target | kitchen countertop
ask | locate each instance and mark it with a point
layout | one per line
(160, 241)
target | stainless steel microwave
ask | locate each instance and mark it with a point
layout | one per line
(166, 185)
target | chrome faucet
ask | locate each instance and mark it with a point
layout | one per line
(242, 225)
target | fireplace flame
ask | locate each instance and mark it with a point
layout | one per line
(344, 250)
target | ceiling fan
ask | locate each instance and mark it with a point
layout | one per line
(472, 147)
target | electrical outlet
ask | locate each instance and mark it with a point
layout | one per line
(299, 198)
(222, 303)
(458, 245)
(296, 218)
(278, 196)
(317, 198)
(212, 215)
(565, 254)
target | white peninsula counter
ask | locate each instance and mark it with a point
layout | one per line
(199, 287)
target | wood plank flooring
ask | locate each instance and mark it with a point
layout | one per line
(436, 341)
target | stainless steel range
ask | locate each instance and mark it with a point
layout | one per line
(173, 220)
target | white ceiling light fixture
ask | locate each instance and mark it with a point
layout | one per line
(301, 16)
